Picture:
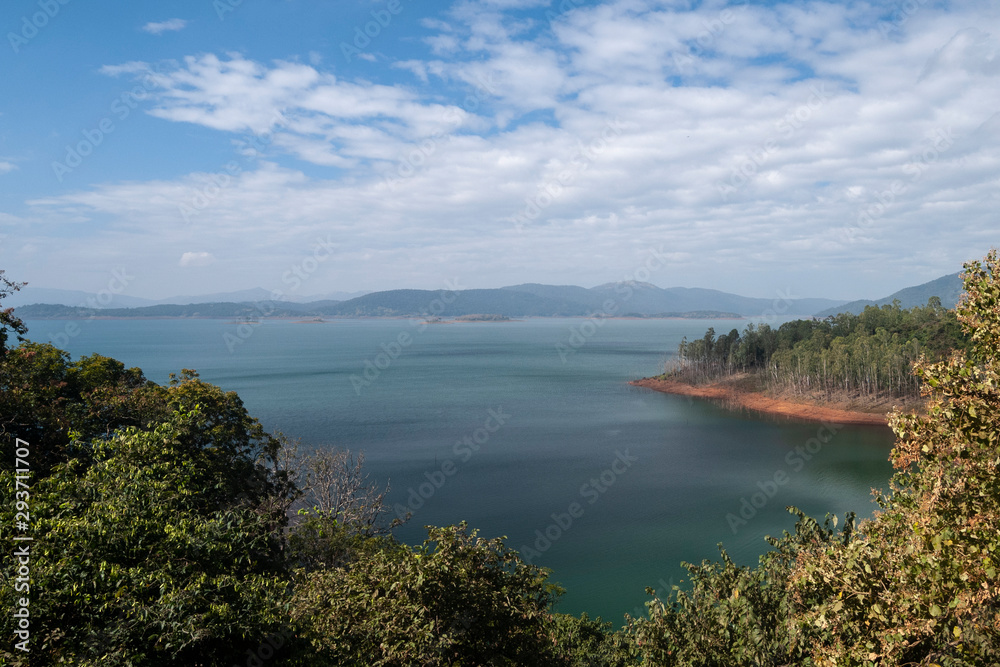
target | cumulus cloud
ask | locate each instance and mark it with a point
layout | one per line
(196, 259)
(157, 28)
(822, 138)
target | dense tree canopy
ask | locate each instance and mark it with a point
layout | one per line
(9, 323)
(143, 555)
(871, 353)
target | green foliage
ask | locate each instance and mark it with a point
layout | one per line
(240, 454)
(61, 406)
(579, 641)
(318, 541)
(50, 401)
(9, 323)
(735, 615)
(457, 600)
(144, 555)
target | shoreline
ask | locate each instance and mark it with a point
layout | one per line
(762, 403)
(331, 318)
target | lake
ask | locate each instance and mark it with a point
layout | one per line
(526, 429)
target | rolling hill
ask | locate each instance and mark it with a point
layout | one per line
(535, 300)
(947, 288)
(528, 300)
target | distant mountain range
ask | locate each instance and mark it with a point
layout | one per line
(947, 288)
(627, 299)
(30, 295)
(529, 300)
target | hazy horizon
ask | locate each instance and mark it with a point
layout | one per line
(19, 297)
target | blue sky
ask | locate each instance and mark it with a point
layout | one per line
(838, 149)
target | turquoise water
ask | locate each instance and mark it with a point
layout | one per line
(608, 485)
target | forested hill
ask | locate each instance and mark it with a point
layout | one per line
(870, 354)
(946, 288)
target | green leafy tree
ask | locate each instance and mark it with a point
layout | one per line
(922, 587)
(146, 554)
(580, 641)
(457, 600)
(9, 323)
(49, 401)
(735, 615)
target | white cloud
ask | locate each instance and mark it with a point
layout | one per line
(197, 259)
(164, 26)
(757, 137)
(7, 167)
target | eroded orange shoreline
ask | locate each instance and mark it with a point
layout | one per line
(762, 403)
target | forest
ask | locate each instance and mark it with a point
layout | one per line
(168, 528)
(870, 354)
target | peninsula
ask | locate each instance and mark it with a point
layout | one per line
(851, 369)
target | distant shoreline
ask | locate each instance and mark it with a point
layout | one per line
(759, 402)
(332, 318)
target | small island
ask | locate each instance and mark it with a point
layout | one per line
(474, 317)
(481, 317)
(686, 315)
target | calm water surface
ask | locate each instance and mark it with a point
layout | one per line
(608, 485)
